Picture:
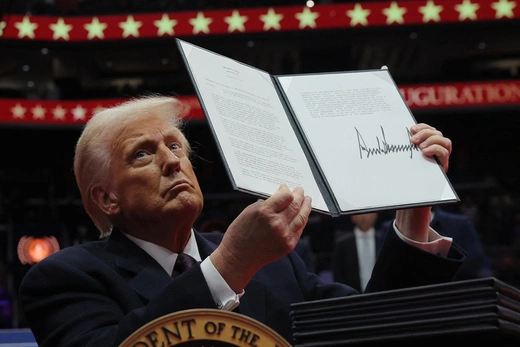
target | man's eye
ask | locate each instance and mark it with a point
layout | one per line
(175, 146)
(139, 154)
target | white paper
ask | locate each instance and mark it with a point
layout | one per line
(251, 126)
(357, 124)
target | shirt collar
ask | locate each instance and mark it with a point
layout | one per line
(164, 256)
(365, 234)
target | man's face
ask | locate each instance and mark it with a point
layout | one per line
(152, 176)
(364, 221)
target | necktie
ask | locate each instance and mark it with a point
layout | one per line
(183, 263)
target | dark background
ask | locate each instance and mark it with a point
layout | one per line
(38, 195)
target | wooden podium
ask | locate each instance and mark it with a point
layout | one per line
(205, 328)
(464, 312)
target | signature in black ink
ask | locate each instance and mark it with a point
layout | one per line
(384, 147)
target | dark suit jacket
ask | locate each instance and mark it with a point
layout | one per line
(98, 293)
(460, 228)
(304, 250)
(345, 262)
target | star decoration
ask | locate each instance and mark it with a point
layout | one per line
(95, 29)
(307, 18)
(271, 19)
(235, 22)
(18, 111)
(358, 15)
(26, 28)
(200, 23)
(130, 27)
(394, 13)
(504, 8)
(38, 112)
(467, 10)
(59, 112)
(60, 29)
(165, 25)
(431, 12)
(2, 27)
(79, 113)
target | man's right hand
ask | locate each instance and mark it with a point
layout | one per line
(263, 233)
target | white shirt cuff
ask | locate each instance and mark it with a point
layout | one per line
(436, 243)
(225, 298)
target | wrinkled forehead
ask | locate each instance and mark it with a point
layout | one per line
(146, 130)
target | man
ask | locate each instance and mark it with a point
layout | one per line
(137, 184)
(355, 253)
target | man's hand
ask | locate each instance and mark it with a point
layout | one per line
(414, 223)
(264, 232)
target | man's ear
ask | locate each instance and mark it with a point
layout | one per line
(105, 199)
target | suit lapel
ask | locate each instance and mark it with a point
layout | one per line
(147, 277)
(143, 270)
(353, 268)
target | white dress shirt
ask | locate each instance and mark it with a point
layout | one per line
(366, 251)
(225, 298)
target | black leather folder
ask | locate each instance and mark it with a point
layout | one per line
(480, 310)
(402, 316)
(451, 291)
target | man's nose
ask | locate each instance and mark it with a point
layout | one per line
(169, 162)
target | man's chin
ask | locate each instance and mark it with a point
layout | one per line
(187, 203)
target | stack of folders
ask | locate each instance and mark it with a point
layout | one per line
(478, 310)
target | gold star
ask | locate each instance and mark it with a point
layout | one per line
(130, 27)
(2, 27)
(200, 23)
(358, 15)
(394, 13)
(271, 19)
(165, 25)
(26, 28)
(95, 29)
(467, 10)
(60, 29)
(18, 111)
(307, 18)
(59, 112)
(431, 12)
(236, 22)
(38, 112)
(79, 113)
(504, 8)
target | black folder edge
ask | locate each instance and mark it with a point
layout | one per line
(426, 327)
(376, 303)
(396, 295)
(396, 307)
(500, 330)
(360, 320)
(319, 177)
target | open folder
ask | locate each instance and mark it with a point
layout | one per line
(343, 136)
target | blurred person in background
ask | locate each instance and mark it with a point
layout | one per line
(355, 252)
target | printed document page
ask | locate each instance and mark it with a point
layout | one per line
(252, 129)
(358, 125)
